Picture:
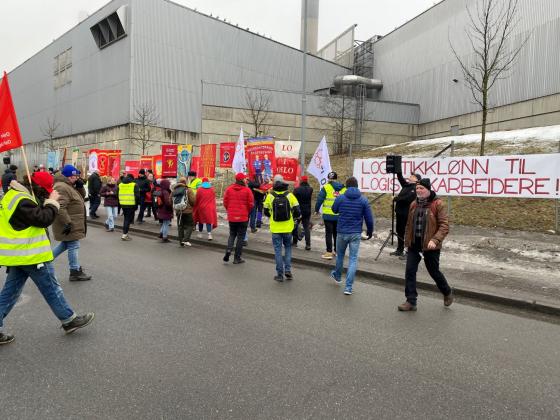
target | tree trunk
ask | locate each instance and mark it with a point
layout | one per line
(484, 116)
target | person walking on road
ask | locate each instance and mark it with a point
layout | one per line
(282, 207)
(427, 227)
(238, 202)
(353, 209)
(184, 200)
(165, 210)
(9, 176)
(129, 197)
(326, 198)
(304, 195)
(94, 185)
(205, 211)
(406, 196)
(258, 197)
(70, 226)
(144, 186)
(26, 252)
(109, 192)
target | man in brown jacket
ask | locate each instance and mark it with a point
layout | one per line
(427, 227)
(183, 202)
(70, 223)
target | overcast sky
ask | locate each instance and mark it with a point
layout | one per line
(33, 24)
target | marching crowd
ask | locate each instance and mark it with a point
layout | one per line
(57, 199)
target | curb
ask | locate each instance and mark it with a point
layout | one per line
(526, 305)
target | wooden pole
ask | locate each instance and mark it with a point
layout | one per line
(27, 170)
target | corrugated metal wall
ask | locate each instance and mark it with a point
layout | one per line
(98, 95)
(290, 102)
(175, 48)
(416, 64)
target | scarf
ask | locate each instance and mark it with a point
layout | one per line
(420, 217)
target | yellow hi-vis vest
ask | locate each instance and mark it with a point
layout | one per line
(126, 194)
(329, 200)
(30, 246)
(195, 183)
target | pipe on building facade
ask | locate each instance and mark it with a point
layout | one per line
(353, 80)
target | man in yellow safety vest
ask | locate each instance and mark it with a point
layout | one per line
(326, 198)
(25, 250)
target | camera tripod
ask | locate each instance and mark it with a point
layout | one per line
(392, 233)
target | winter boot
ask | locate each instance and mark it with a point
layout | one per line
(78, 275)
(78, 322)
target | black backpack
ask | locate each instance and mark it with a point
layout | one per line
(281, 210)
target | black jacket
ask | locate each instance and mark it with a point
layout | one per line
(406, 195)
(257, 195)
(304, 195)
(94, 184)
(8, 177)
(28, 213)
(144, 185)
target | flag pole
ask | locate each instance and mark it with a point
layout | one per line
(27, 169)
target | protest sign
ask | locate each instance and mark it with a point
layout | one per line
(287, 154)
(169, 160)
(207, 161)
(227, 151)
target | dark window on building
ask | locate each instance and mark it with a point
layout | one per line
(110, 29)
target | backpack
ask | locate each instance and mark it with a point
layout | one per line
(281, 210)
(180, 202)
(158, 198)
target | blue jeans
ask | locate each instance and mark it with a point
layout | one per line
(165, 228)
(72, 247)
(111, 216)
(208, 227)
(352, 241)
(47, 284)
(253, 218)
(283, 264)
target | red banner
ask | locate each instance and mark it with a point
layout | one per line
(132, 167)
(195, 164)
(10, 137)
(146, 162)
(288, 168)
(207, 161)
(227, 151)
(169, 160)
(157, 165)
(106, 162)
(260, 158)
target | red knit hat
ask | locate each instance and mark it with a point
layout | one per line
(240, 176)
(304, 178)
(43, 179)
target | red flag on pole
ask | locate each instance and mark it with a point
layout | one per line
(10, 137)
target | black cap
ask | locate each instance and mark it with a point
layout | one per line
(332, 175)
(13, 168)
(142, 172)
(425, 182)
(192, 173)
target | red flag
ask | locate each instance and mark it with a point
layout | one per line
(227, 151)
(10, 137)
(169, 160)
(208, 160)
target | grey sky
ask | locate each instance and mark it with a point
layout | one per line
(33, 24)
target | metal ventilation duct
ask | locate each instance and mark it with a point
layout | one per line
(352, 80)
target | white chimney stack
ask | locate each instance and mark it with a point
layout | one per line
(312, 25)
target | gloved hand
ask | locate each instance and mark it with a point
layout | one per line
(79, 183)
(369, 235)
(67, 229)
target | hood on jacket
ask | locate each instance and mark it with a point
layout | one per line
(179, 185)
(353, 193)
(238, 187)
(127, 180)
(205, 185)
(280, 186)
(337, 185)
(165, 184)
(179, 189)
(61, 178)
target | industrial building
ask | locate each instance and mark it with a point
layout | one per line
(198, 74)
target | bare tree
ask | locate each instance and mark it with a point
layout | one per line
(52, 144)
(492, 24)
(257, 106)
(144, 126)
(341, 111)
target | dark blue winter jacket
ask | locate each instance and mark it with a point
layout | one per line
(321, 198)
(352, 208)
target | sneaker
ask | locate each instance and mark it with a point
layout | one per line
(347, 292)
(406, 307)
(226, 257)
(327, 256)
(238, 260)
(164, 240)
(308, 247)
(448, 300)
(279, 278)
(126, 238)
(111, 230)
(397, 253)
(210, 237)
(253, 230)
(6, 338)
(289, 275)
(187, 243)
(80, 321)
(181, 244)
(333, 276)
(403, 256)
(199, 235)
(78, 275)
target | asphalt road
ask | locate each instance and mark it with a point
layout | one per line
(179, 334)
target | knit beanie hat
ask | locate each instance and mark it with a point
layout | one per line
(44, 180)
(425, 182)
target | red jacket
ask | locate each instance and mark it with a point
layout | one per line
(238, 201)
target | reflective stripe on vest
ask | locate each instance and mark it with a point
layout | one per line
(329, 200)
(126, 194)
(25, 247)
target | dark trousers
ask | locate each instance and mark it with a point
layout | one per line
(330, 234)
(143, 205)
(185, 225)
(128, 213)
(431, 259)
(94, 202)
(237, 231)
(401, 219)
(154, 209)
(306, 229)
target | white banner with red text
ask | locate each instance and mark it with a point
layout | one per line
(522, 176)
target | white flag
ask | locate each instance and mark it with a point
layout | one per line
(320, 164)
(239, 164)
